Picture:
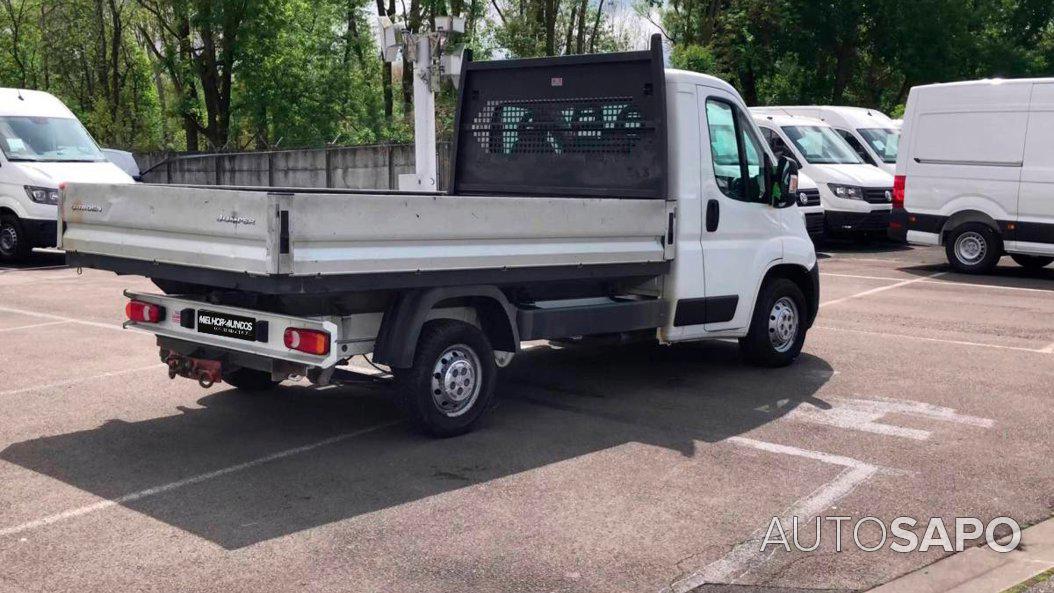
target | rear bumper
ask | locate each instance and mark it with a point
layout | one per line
(841, 221)
(41, 233)
(898, 225)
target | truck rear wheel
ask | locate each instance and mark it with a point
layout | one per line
(777, 329)
(451, 382)
(250, 380)
(15, 244)
(1032, 262)
(973, 248)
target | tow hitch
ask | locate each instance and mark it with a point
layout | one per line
(206, 372)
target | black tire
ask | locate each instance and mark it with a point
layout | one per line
(452, 351)
(15, 245)
(250, 380)
(758, 347)
(973, 248)
(1032, 262)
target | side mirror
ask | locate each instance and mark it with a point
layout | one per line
(784, 187)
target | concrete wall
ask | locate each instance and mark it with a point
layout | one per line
(351, 167)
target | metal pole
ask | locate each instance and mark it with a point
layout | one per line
(425, 178)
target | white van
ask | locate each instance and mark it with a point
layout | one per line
(871, 133)
(42, 145)
(856, 197)
(976, 173)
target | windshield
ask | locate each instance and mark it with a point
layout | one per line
(820, 145)
(52, 139)
(884, 141)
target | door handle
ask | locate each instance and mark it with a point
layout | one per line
(713, 215)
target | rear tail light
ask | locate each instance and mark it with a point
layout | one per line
(311, 341)
(144, 312)
(900, 183)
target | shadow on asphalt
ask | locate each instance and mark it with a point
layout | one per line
(37, 259)
(1007, 273)
(554, 405)
(861, 246)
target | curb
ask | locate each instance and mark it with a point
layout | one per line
(981, 569)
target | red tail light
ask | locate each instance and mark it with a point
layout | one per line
(900, 183)
(310, 341)
(144, 312)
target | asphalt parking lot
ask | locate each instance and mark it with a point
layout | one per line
(920, 393)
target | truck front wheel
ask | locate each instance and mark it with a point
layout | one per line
(451, 382)
(15, 244)
(777, 329)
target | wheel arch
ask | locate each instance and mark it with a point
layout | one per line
(965, 216)
(807, 280)
(402, 322)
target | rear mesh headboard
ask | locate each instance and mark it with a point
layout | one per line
(569, 126)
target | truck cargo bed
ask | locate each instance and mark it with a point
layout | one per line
(296, 241)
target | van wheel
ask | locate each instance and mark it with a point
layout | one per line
(14, 243)
(973, 248)
(451, 382)
(250, 380)
(1032, 262)
(777, 329)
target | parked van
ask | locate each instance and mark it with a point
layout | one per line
(977, 172)
(42, 145)
(872, 134)
(856, 197)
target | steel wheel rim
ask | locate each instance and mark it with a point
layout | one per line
(783, 324)
(8, 239)
(971, 247)
(457, 378)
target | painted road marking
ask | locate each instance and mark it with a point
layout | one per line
(31, 326)
(747, 556)
(866, 415)
(882, 289)
(1047, 350)
(150, 492)
(81, 380)
(942, 282)
(67, 319)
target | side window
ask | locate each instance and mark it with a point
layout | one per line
(856, 146)
(779, 148)
(736, 152)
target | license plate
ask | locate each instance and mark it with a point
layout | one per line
(227, 325)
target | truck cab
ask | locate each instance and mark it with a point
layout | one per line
(593, 197)
(42, 145)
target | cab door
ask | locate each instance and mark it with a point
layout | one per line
(740, 229)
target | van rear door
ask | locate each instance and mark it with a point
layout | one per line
(1035, 211)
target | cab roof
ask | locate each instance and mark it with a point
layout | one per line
(839, 115)
(674, 75)
(31, 104)
(781, 119)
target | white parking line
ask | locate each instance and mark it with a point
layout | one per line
(81, 380)
(943, 282)
(1047, 350)
(868, 415)
(67, 319)
(881, 289)
(748, 555)
(149, 492)
(31, 326)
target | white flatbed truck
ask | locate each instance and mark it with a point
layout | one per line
(591, 196)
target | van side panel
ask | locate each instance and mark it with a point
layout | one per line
(962, 149)
(1035, 229)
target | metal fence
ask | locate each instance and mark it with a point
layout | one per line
(351, 167)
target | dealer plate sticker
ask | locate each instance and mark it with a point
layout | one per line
(227, 325)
